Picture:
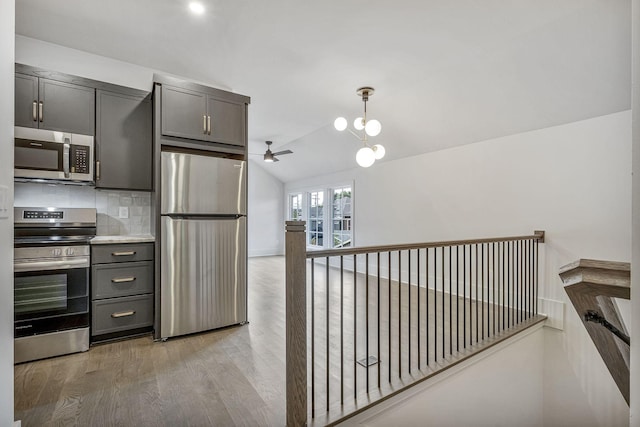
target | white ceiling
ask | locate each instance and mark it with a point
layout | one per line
(446, 72)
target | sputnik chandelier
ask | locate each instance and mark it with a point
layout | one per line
(368, 154)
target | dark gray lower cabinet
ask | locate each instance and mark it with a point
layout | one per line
(123, 141)
(121, 290)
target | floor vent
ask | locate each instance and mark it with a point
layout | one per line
(372, 360)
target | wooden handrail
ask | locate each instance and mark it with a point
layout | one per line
(538, 235)
(591, 285)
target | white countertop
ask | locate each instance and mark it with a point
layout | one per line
(139, 238)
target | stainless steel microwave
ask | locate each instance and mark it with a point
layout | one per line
(50, 155)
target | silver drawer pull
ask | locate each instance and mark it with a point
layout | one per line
(123, 279)
(125, 253)
(123, 314)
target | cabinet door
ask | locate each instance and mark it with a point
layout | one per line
(123, 142)
(184, 113)
(67, 107)
(227, 122)
(26, 98)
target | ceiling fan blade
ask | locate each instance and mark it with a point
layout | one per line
(279, 153)
(275, 159)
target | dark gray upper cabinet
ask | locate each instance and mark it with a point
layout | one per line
(123, 141)
(54, 105)
(191, 114)
(184, 113)
(26, 101)
(227, 121)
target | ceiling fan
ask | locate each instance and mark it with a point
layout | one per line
(270, 157)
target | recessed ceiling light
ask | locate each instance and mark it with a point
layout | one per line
(196, 7)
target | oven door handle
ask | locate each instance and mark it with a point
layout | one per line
(64, 264)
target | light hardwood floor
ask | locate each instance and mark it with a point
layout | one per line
(233, 376)
(236, 376)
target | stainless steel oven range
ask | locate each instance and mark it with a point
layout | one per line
(51, 281)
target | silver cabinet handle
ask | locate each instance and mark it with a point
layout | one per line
(209, 125)
(123, 314)
(41, 112)
(35, 111)
(125, 253)
(97, 170)
(204, 124)
(123, 279)
(66, 157)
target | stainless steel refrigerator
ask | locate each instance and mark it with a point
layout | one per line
(203, 243)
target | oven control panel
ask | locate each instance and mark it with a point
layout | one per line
(49, 253)
(43, 215)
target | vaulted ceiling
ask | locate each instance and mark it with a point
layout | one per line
(446, 72)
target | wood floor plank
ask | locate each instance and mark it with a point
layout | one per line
(236, 376)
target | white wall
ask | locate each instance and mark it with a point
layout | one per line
(635, 270)
(574, 181)
(266, 212)
(7, 29)
(502, 387)
(71, 61)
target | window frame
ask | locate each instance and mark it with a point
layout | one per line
(327, 212)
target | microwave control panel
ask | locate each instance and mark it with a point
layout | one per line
(79, 159)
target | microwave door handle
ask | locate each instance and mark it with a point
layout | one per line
(66, 157)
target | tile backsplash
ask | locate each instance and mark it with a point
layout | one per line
(106, 202)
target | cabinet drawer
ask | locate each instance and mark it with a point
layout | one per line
(121, 279)
(121, 314)
(102, 254)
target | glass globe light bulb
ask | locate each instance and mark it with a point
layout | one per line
(357, 123)
(365, 157)
(340, 124)
(373, 128)
(379, 151)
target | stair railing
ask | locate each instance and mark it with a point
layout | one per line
(592, 287)
(363, 324)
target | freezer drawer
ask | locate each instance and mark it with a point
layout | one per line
(203, 274)
(196, 184)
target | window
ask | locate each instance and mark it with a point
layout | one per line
(329, 215)
(295, 207)
(316, 215)
(341, 217)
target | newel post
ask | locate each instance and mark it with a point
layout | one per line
(296, 321)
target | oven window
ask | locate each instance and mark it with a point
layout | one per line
(40, 293)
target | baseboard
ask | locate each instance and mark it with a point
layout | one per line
(265, 252)
(554, 310)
